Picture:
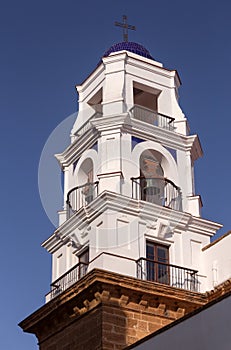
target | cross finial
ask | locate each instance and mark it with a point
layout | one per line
(125, 27)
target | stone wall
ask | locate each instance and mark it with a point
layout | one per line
(108, 311)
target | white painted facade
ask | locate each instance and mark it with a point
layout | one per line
(216, 259)
(111, 141)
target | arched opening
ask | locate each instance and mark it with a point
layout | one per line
(152, 182)
(86, 191)
(85, 180)
(85, 173)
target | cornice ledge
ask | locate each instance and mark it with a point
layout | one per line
(146, 211)
(194, 146)
(102, 283)
(52, 243)
(114, 201)
(154, 133)
(61, 234)
(131, 56)
(204, 226)
(73, 152)
(150, 210)
(115, 57)
(90, 78)
(111, 121)
(154, 67)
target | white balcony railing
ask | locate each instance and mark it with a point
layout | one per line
(151, 117)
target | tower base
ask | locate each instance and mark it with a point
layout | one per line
(107, 311)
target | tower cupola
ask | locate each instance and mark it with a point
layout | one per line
(129, 46)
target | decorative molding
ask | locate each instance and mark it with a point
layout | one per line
(126, 124)
(99, 287)
(148, 212)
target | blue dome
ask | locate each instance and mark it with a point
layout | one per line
(129, 46)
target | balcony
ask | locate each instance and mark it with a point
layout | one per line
(143, 269)
(139, 113)
(151, 117)
(67, 279)
(172, 275)
(81, 196)
(159, 191)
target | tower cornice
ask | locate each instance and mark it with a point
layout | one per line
(73, 152)
(100, 287)
(134, 127)
(146, 64)
(148, 212)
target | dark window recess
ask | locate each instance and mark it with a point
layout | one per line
(83, 262)
(84, 257)
(157, 263)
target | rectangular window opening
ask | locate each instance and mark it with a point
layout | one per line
(157, 264)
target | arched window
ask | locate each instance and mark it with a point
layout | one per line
(85, 173)
(85, 180)
(152, 180)
(86, 189)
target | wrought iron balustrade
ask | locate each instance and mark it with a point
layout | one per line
(67, 279)
(172, 275)
(151, 117)
(81, 196)
(158, 190)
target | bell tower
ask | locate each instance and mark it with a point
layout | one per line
(127, 255)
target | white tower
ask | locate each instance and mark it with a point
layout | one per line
(130, 204)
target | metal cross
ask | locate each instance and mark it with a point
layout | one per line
(125, 27)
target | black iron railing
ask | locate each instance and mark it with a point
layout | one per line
(67, 279)
(81, 196)
(151, 117)
(172, 275)
(158, 190)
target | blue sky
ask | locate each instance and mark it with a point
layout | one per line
(48, 47)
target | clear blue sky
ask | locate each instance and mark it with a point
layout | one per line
(47, 47)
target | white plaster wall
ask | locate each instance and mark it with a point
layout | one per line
(217, 262)
(127, 165)
(62, 260)
(189, 251)
(115, 233)
(110, 152)
(86, 91)
(126, 236)
(59, 266)
(108, 262)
